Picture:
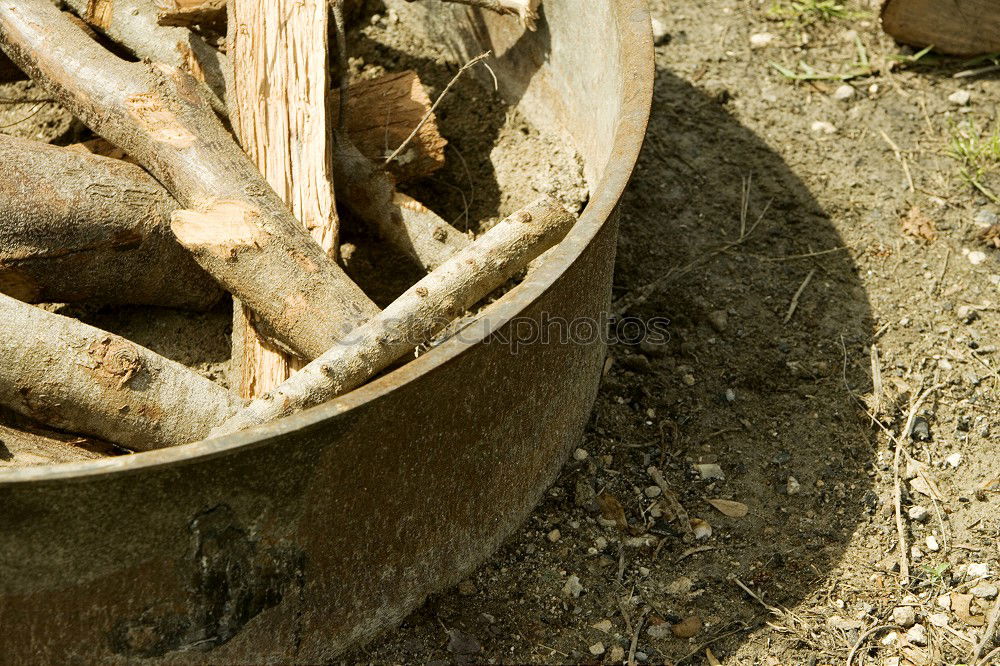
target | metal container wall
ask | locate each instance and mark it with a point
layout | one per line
(293, 541)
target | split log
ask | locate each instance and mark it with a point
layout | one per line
(72, 376)
(955, 27)
(75, 227)
(278, 105)
(417, 315)
(189, 13)
(238, 229)
(134, 25)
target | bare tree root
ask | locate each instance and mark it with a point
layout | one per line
(417, 315)
(75, 227)
(75, 377)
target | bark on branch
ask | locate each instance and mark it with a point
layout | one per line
(72, 376)
(75, 227)
(238, 229)
(417, 315)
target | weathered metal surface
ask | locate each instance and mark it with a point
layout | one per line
(293, 541)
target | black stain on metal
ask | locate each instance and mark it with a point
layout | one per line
(233, 578)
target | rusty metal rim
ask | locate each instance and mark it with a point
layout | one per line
(636, 92)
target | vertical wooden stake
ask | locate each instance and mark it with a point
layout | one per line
(280, 111)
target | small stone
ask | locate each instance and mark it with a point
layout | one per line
(580, 454)
(842, 623)
(976, 257)
(652, 491)
(960, 97)
(918, 513)
(760, 40)
(978, 570)
(584, 494)
(792, 486)
(944, 601)
(644, 571)
(843, 93)
(572, 588)
(891, 661)
(687, 628)
(719, 320)
(890, 638)
(730, 395)
(986, 218)
(467, 588)
(917, 635)
(554, 535)
(710, 471)
(938, 619)
(823, 127)
(954, 460)
(904, 616)
(641, 657)
(680, 586)
(921, 430)
(916, 554)
(932, 543)
(984, 591)
(660, 34)
(603, 625)
(597, 649)
(617, 654)
(658, 631)
(688, 379)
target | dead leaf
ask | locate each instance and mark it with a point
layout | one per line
(711, 658)
(991, 236)
(918, 225)
(612, 509)
(701, 528)
(961, 605)
(730, 508)
(687, 628)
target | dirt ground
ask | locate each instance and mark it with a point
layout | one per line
(817, 252)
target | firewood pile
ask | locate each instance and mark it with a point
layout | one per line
(231, 144)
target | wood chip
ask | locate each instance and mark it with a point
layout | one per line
(730, 508)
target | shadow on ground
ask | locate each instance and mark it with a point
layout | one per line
(743, 383)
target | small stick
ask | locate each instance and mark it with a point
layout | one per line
(635, 636)
(990, 634)
(423, 310)
(899, 158)
(675, 504)
(430, 111)
(863, 637)
(75, 377)
(795, 299)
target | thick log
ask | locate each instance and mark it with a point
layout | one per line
(955, 27)
(237, 228)
(188, 13)
(417, 315)
(76, 227)
(134, 25)
(279, 103)
(75, 377)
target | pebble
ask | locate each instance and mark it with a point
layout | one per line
(986, 218)
(918, 513)
(760, 40)
(597, 649)
(660, 34)
(843, 93)
(917, 635)
(921, 430)
(944, 601)
(890, 638)
(916, 554)
(954, 460)
(792, 486)
(710, 471)
(978, 570)
(719, 320)
(658, 631)
(553, 536)
(904, 616)
(467, 588)
(976, 257)
(823, 127)
(617, 654)
(572, 588)
(652, 491)
(641, 657)
(984, 591)
(842, 623)
(938, 619)
(960, 97)
(932, 543)
(688, 379)
(680, 586)
(580, 454)
(730, 395)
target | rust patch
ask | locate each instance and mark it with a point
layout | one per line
(99, 13)
(114, 360)
(152, 114)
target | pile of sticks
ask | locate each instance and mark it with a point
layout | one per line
(221, 170)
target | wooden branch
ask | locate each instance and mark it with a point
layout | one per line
(417, 315)
(24, 443)
(75, 227)
(279, 102)
(133, 24)
(72, 376)
(189, 13)
(238, 229)
(369, 192)
(956, 27)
